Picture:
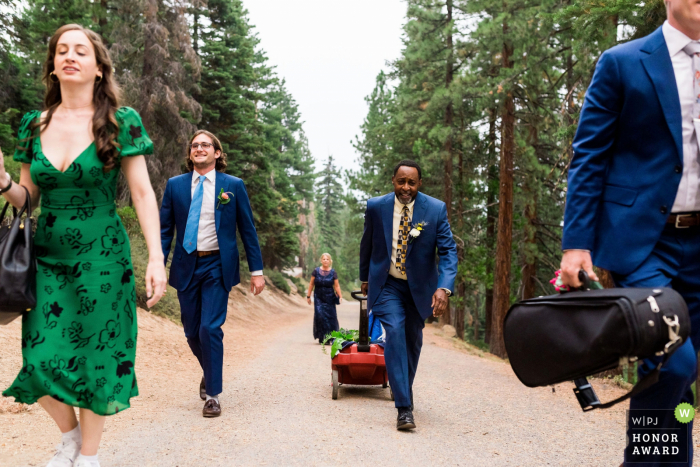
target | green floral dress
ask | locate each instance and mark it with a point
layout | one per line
(79, 344)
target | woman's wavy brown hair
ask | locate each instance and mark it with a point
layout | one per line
(220, 162)
(105, 96)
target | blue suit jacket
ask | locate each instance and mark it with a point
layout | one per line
(424, 276)
(236, 213)
(628, 156)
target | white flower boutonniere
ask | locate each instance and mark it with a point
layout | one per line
(416, 231)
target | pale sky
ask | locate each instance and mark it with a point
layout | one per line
(330, 53)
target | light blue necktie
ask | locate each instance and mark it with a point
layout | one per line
(192, 227)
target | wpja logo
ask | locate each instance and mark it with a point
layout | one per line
(658, 435)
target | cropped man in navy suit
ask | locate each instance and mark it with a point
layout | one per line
(206, 206)
(633, 202)
(403, 232)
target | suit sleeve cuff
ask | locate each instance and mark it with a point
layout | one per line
(257, 273)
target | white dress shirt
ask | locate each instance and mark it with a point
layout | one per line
(687, 197)
(206, 235)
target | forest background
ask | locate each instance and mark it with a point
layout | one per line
(485, 96)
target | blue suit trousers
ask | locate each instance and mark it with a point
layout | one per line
(203, 305)
(403, 324)
(675, 263)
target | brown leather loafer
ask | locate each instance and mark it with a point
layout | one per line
(211, 408)
(202, 390)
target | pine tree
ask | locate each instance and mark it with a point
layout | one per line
(291, 167)
(329, 205)
(376, 148)
(162, 91)
(248, 108)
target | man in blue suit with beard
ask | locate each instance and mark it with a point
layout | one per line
(404, 231)
(633, 201)
(207, 207)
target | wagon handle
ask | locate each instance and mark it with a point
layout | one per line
(357, 295)
(363, 344)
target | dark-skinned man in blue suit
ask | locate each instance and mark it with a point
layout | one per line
(206, 207)
(404, 231)
(633, 201)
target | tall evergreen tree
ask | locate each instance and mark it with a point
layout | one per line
(248, 108)
(292, 176)
(329, 205)
(162, 91)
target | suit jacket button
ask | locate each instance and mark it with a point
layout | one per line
(663, 210)
(678, 169)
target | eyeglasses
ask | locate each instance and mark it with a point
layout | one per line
(204, 146)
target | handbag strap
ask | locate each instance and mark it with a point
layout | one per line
(4, 210)
(26, 208)
(588, 399)
(27, 204)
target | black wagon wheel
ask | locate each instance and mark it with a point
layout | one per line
(336, 385)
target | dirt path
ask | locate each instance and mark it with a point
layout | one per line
(277, 406)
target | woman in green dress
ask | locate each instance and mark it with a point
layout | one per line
(79, 343)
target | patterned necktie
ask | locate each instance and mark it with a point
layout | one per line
(192, 227)
(693, 49)
(402, 244)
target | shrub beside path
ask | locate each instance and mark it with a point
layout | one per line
(277, 406)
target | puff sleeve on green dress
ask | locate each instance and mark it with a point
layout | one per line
(133, 138)
(25, 146)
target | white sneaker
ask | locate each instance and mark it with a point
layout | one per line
(66, 453)
(80, 462)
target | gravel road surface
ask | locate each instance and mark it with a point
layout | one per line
(277, 410)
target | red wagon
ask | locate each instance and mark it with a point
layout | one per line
(361, 363)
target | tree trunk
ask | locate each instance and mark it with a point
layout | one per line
(501, 283)
(530, 269)
(195, 31)
(490, 222)
(530, 250)
(149, 60)
(570, 83)
(459, 310)
(102, 22)
(476, 318)
(461, 285)
(447, 147)
(303, 238)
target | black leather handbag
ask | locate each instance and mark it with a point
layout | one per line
(17, 263)
(573, 335)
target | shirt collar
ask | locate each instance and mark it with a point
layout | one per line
(211, 176)
(399, 205)
(675, 40)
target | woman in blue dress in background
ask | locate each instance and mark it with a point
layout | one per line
(324, 283)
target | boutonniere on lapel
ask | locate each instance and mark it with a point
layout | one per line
(416, 231)
(224, 197)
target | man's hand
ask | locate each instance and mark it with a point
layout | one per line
(364, 288)
(440, 301)
(257, 284)
(572, 262)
